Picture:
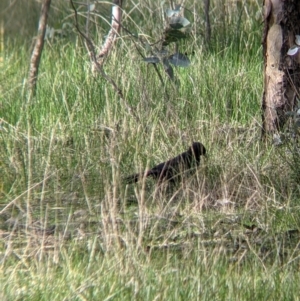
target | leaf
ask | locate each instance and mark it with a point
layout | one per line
(178, 22)
(179, 60)
(177, 7)
(151, 59)
(50, 31)
(297, 40)
(173, 12)
(293, 50)
(162, 53)
(170, 12)
(92, 7)
(173, 35)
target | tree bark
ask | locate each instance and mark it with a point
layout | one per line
(38, 47)
(281, 72)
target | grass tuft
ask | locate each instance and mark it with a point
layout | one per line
(70, 227)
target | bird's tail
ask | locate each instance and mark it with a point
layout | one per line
(132, 179)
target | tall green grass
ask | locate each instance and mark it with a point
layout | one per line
(71, 229)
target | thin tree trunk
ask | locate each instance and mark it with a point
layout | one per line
(116, 20)
(281, 72)
(207, 21)
(1, 43)
(38, 47)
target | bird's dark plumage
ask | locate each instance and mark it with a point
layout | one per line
(170, 170)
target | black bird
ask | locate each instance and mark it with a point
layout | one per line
(171, 169)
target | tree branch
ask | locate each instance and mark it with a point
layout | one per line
(97, 64)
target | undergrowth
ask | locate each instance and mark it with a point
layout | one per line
(72, 229)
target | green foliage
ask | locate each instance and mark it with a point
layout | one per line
(70, 229)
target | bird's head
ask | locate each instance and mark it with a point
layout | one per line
(198, 150)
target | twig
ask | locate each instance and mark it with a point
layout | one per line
(97, 64)
(141, 54)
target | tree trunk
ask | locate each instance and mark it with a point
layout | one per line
(207, 21)
(38, 47)
(281, 72)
